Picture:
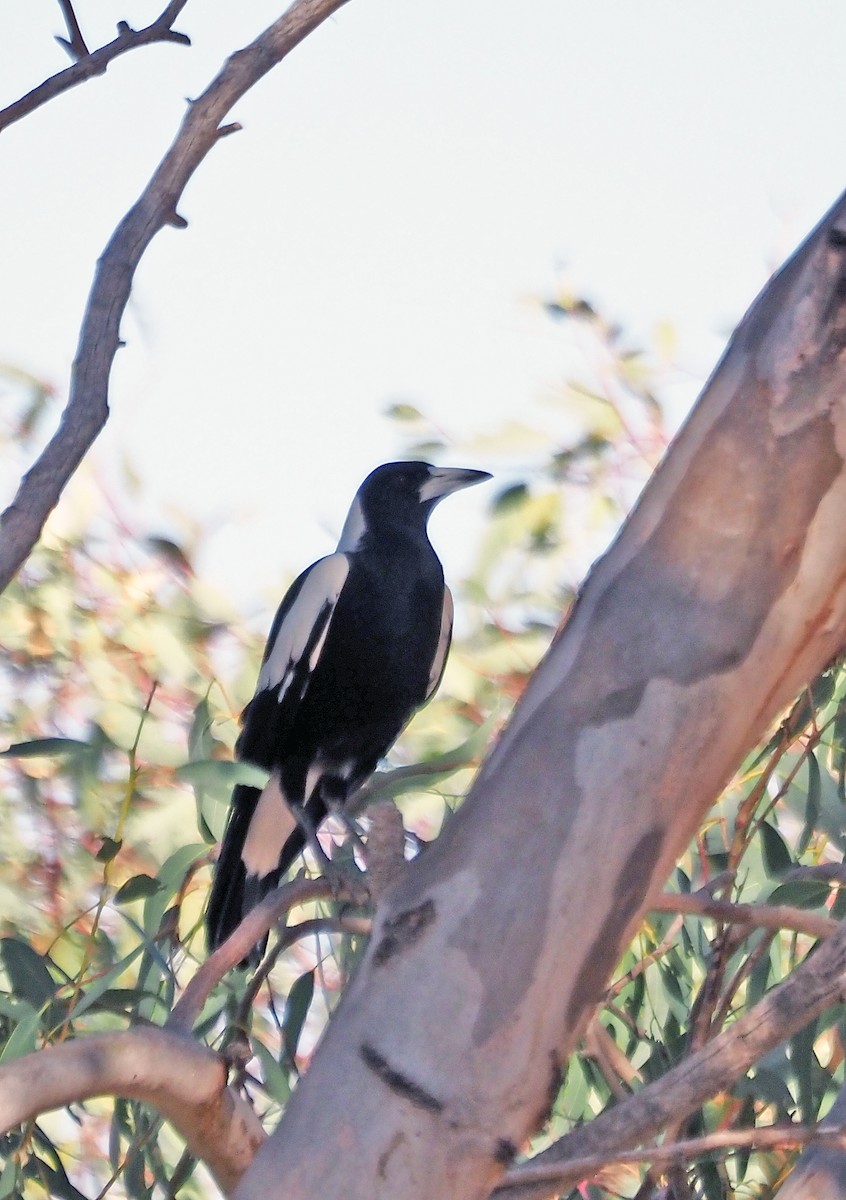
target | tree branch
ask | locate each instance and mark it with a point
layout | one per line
(786, 1135)
(764, 916)
(75, 42)
(182, 1080)
(87, 409)
(252, 929)
(813, 987)
(87, 64)
(238, 945)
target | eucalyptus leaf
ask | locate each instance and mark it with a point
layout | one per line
(137, 888)
(28, 973)
(46, 747)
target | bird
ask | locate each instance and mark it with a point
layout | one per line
(357, 645)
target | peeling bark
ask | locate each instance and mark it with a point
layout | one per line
(723, 595)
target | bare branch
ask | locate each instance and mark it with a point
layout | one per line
(764, 916)
(88, 64)
(812, 988)
(786, 1135)
(87, 409)
(75, 43)
(182, 1080)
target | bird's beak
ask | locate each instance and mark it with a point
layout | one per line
(443, 481)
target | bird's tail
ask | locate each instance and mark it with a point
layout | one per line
(235, 889)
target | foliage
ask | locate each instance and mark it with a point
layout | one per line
(121, 684)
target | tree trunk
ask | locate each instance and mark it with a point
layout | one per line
(723, 595)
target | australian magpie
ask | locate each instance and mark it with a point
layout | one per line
(358, 644)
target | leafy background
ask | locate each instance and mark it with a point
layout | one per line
(120, 688)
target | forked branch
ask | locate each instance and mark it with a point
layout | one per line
(87, 409)
(87, 63)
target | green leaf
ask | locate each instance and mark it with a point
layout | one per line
(276, 1080)
(812, 805)
(48, 747)
(52, 1172)
(23, 1039)
(137, 888)
(211, 771)
(296, 1011)
(170, 876)
(711, 1181)
(510, 497)
(777, 858)
(802, 893)
(93, 991)
(403, 412)
(109, 849)
(200, 741)
(8, 1178)
(802, 1059)
(767, 1085)
(386, 784)
(27, 971)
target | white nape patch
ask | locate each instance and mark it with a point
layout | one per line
(271, 824)
(442, 649)
(321, 588)
(354, 529)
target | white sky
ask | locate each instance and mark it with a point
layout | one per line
(405, 180)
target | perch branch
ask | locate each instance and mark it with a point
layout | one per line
(239, 943)
(252, 929)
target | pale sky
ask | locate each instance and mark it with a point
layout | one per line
(405, 182)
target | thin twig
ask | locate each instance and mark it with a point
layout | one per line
(241, 941)
(295, 933)
(788, 1135)
(601, 1048)
(87, 409)
(88, 64)
(75, 42)
(763, 916)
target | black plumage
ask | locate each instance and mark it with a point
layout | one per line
(358, 644)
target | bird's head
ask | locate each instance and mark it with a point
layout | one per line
(402, 495)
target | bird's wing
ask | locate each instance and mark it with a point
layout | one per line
(293, 647)
(442, 649)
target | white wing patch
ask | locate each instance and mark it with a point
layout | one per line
(270, 826)
(317, 598)
(442, 650)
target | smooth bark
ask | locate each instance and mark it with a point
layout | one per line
(184, 1081)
